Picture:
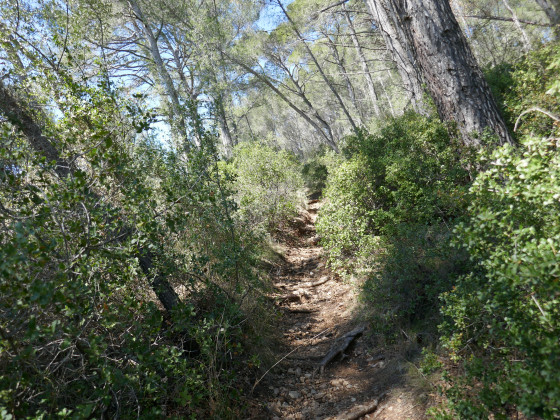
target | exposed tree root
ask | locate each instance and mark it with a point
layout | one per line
(358, 411)
(339, 347)
(319, 282)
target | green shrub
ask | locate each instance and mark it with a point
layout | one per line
(500, 80)
(344, 224)
(389, 210)
(416, 265)
(533, 82)
(417, 173)
(503, 319)
(408, 173)
(82, 333)
(268, 184)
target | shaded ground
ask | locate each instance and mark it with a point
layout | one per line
(313, 317)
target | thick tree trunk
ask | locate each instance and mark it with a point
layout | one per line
(448, 66)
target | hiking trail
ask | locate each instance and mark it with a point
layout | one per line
(364, 380)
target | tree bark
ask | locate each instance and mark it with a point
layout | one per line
(448, 66)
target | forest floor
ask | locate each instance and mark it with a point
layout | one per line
(370, 381)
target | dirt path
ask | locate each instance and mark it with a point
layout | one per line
(314, 317)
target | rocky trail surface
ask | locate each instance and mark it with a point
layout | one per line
(328, 365)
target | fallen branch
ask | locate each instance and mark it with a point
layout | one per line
(359, 411)
(302, 311)
(339, 347)
(319, 282)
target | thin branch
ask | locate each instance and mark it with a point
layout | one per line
(333, 5)
(65, 36)
(504, 19)
(536, 108)
(275, 364)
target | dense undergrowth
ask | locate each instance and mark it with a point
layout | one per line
(268, 185)
(131, 274)
(466, 239)
(130, 277)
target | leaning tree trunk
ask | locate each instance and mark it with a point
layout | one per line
(373, 97)
(318, 123)
(440, 50)
(177, 118)
(524, 36)
(397, 44)
(344, 73)
(226, 136)
(319, 67)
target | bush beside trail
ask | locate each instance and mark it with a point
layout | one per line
(467, 239)
(390, 205)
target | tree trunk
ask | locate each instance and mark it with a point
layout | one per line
(319, 68)
(322, 128)
(398, 45)
(344, 72)
(448, 66)
(373, 97)
(225, 133)
(552, 12)
(524, 37)
(22, 119)
(387, 97)
(188, 88)
(164, 76)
